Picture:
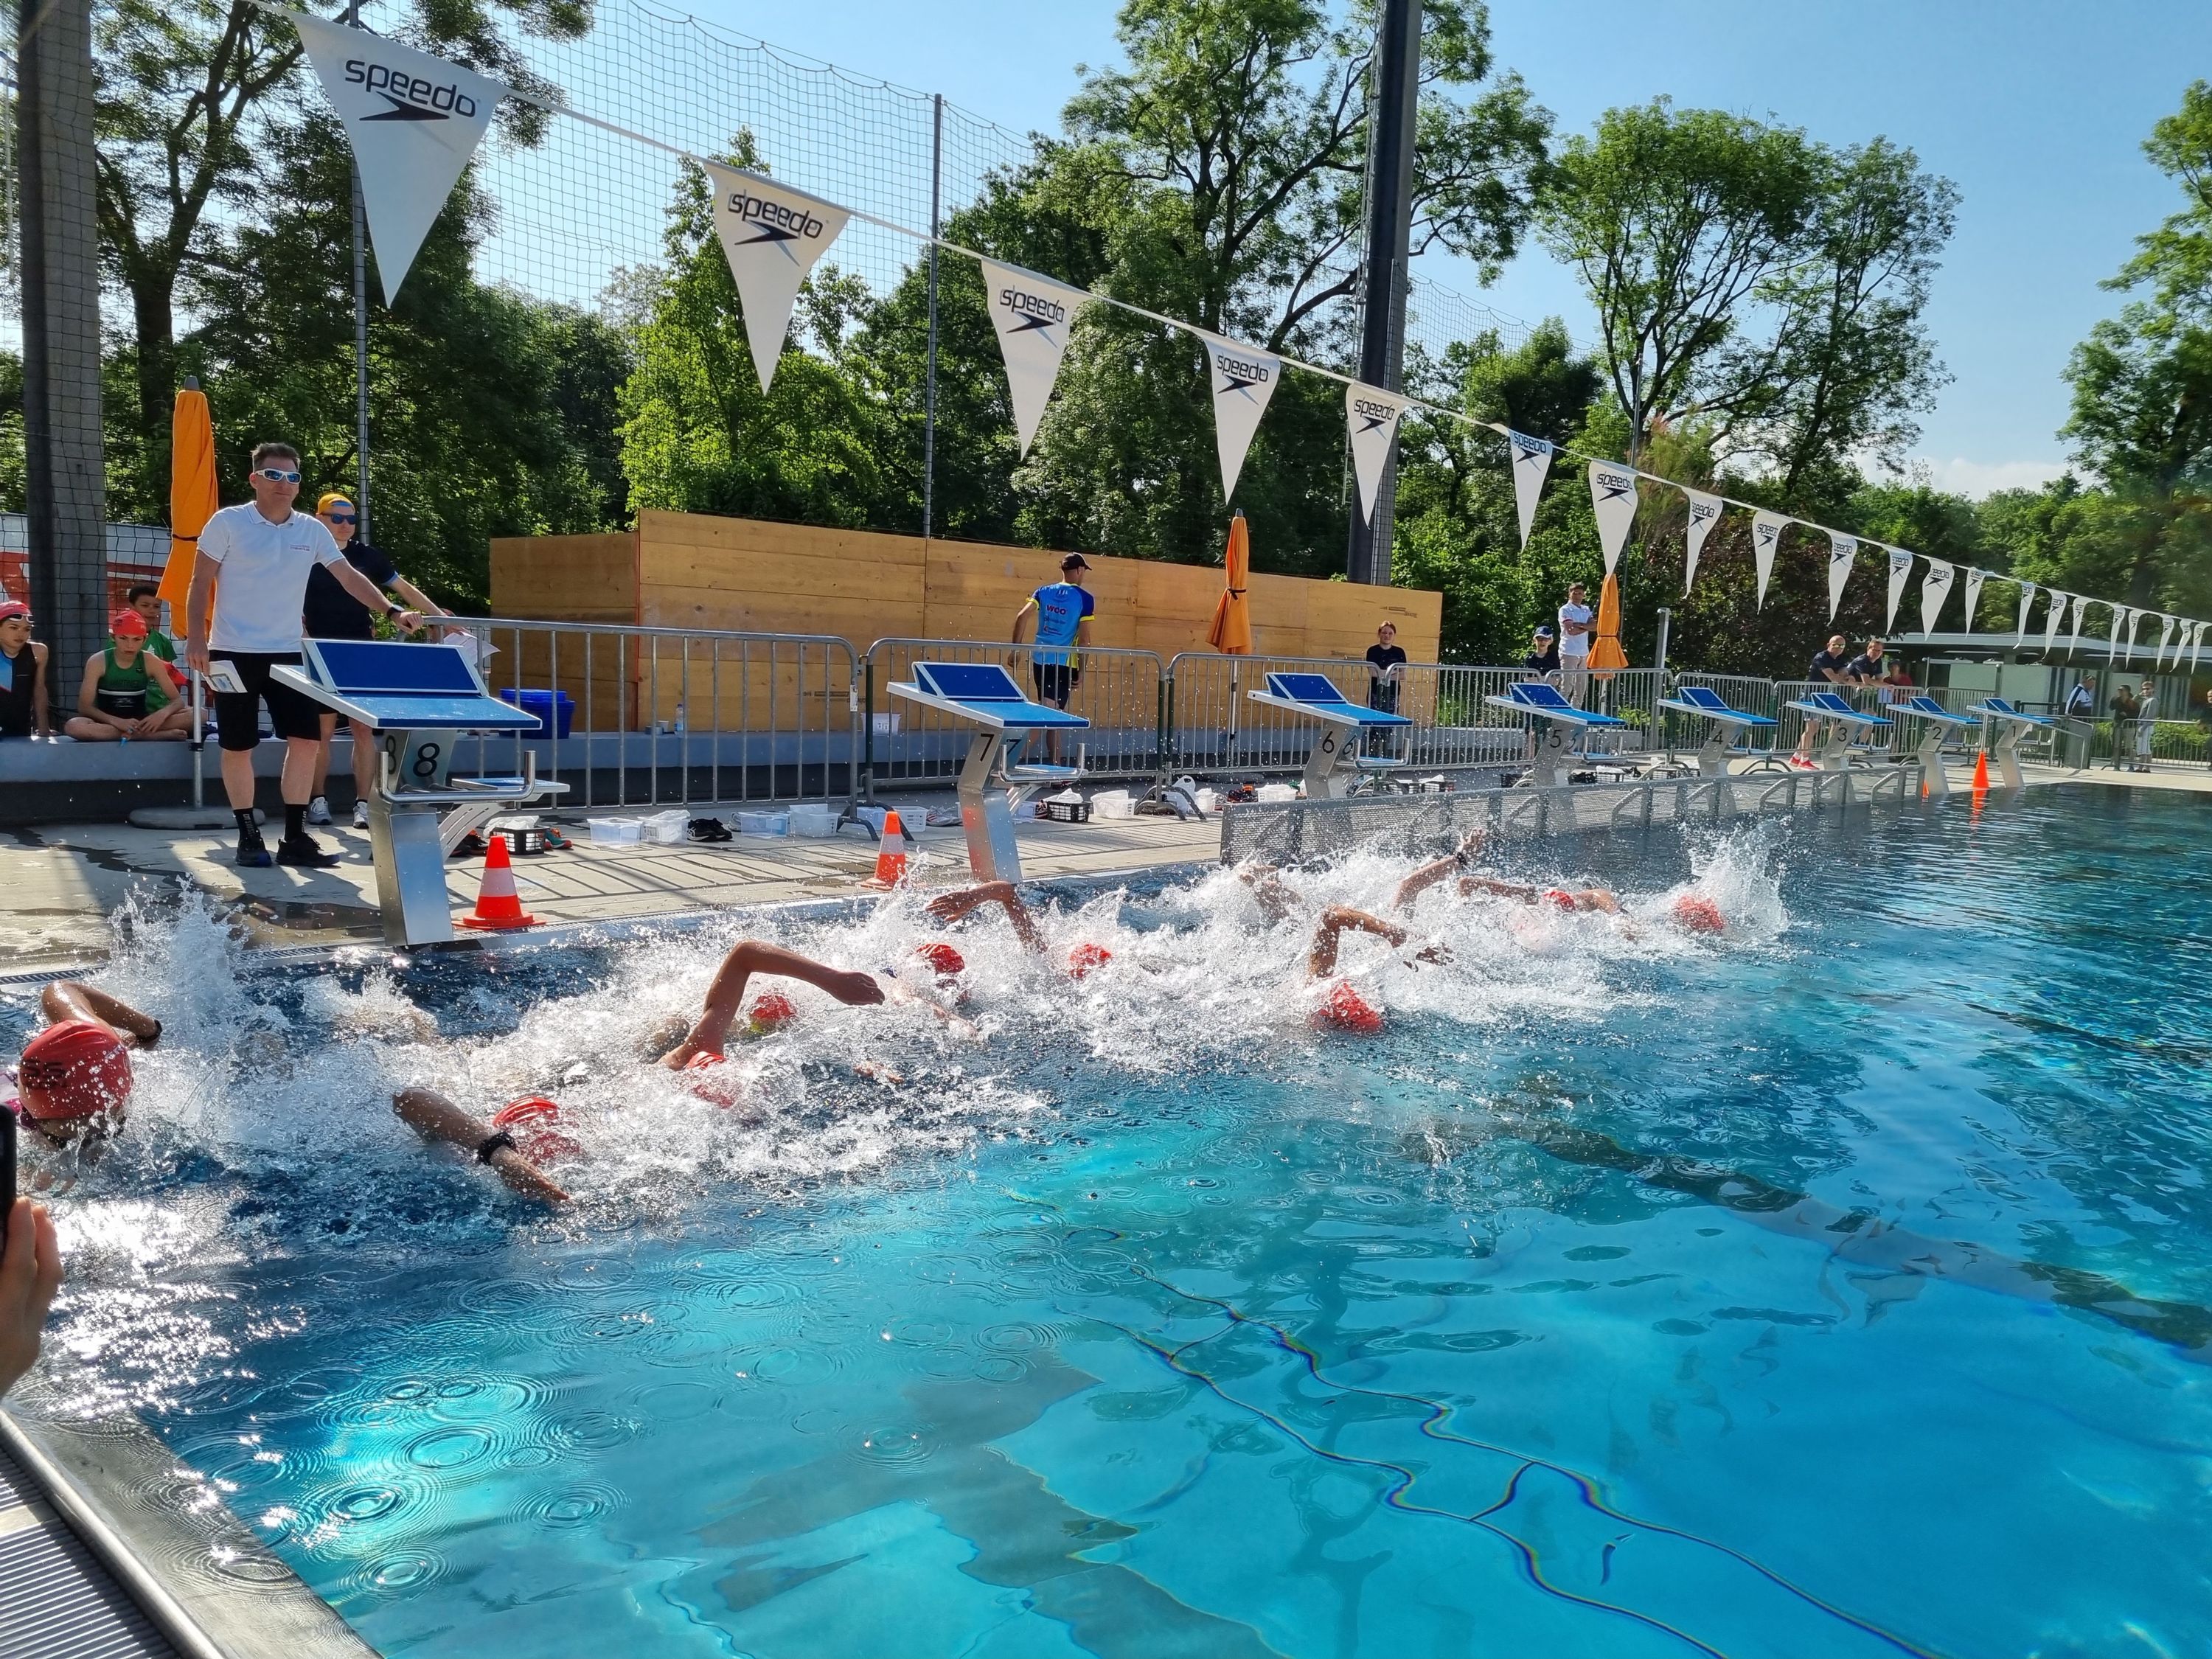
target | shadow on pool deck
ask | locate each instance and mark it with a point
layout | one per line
(69, 879)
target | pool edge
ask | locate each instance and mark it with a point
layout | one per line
(91, 1475)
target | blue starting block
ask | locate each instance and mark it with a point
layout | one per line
(1556, 721)
(1724, 725)
(420, 700)
(1938, 725)
(1833, 748)
(1335, 761)
(2009, 726)
(984, 696)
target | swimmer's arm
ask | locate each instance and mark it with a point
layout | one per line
(953, 907)
(69, 999)
(1335, 922)
(726, 995)
(433, 1116)
(1470, 885)
(1599, 898)
(1276, 900)
(1421, 880)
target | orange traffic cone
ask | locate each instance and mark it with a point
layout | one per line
(498, 905)
(890, 854)
(1982, 772)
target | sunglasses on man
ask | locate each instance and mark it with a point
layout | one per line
(343, 518)
(276, 476)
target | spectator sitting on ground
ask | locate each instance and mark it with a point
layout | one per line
(23, 675)
(128, 692)
(1829, 668)
(146, 600)
(30, 1274)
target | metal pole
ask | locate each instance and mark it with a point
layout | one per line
(929, 394)
(352, 21)
(1659, 656)
(1389, 233)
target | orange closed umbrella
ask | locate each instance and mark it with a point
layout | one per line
(1605, 650)
(1231, 633)
(192, 500)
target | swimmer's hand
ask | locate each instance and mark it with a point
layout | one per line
(855, 989)
(876, 1072)
(1437, 954)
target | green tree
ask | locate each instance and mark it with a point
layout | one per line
(1752, 283)
(189, 90)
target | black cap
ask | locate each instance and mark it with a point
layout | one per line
(1073, 560)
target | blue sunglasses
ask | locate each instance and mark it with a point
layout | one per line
(276, 477)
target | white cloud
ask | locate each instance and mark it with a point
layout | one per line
(1975, 479)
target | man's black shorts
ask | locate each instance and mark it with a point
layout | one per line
(1054, 681)
(237, 714)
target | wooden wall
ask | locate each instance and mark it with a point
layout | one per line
(696, 572)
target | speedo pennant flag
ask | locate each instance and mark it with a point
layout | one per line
(1612, 499)
(1033, 316)
(1704, 514)
(2026, 605)
(772, 236)
(1532, 459)
(1841, 550)
(2053, 620)
(414, 122)
(1243, 381)
(1373, 416)
(1935, 589)
(2081, 609)
(1974, 581)
(1766, 530)
(1900, 568)
(2120, 615)
(2168, 632)
(2196, 647)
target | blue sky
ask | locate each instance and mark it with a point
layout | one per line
(2036, 109)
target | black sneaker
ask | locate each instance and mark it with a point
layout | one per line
(253, 851)
(304, 852)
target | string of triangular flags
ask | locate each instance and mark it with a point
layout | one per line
(415, 122)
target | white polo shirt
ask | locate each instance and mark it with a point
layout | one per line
(264, 577)
(1574, 645)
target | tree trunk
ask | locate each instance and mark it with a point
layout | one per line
(153, 294)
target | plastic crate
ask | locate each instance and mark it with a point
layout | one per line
(1063, 811)
(555, 710)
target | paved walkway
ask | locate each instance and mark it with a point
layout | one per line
(68, 879)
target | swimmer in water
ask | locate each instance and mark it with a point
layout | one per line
(949, 908)
(1342, 1006)
(725, 996)
(1460, 863)
(75, 1076)
(436, 1118)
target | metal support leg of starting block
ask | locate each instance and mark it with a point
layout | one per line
(1929, 753)
(987, 815)
(1551, 757)
(2006, 752)
(1330, 765)
(1712, 755)
(413, 782)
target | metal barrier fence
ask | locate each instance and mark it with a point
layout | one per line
(634, 716)
(651, 716)
(1119, 692)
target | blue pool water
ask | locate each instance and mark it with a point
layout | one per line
(1631, 1295)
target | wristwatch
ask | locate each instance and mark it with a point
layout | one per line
(391, 610)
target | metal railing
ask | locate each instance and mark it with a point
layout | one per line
(1118, 691)
(667, 716)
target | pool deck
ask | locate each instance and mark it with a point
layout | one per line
(69, 879)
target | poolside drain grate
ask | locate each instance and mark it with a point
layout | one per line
(57, 1599)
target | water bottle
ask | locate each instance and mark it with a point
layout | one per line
(679, 717)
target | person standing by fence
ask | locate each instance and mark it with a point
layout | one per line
(1575, 618)
(1829, 667)
(1543, 658)
(1386, 675)
(1063, 611)
(329, 612)
(263, 550)
(2125, 710)
(2146, 723)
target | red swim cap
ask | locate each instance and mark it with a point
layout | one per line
(1561, 897)
(1086, 957)
(1700, 915)
(771, 1009)
(943, 958)
(1346, 1010)
(717, 1090)
(532, 1114)
(76, 1069)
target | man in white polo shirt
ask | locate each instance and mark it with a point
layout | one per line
(1575, 643)
(264, 552)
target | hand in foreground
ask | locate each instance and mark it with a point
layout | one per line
(30, 1273)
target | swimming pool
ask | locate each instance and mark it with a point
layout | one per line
(1155, 1324)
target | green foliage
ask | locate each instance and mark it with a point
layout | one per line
(1752, 283)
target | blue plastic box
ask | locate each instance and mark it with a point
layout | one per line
(554, 710)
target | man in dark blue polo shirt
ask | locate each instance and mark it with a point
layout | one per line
(329, 612)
